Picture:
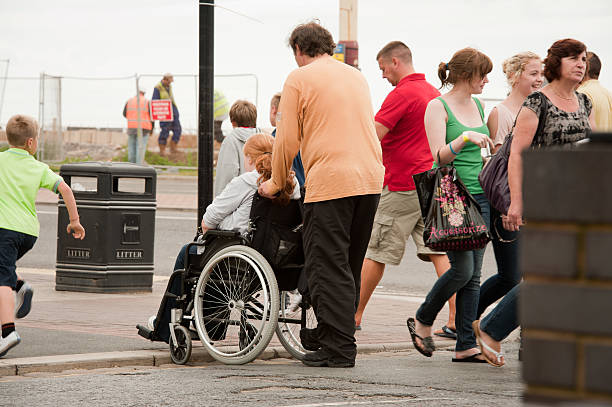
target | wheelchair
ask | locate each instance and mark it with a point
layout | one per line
(233, 292)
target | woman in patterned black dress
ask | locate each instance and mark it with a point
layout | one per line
(567, 119)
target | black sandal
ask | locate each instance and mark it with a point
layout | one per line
(428, 344)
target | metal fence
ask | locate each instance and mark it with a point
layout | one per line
(4, 65)
(50, 144)
(73, 111)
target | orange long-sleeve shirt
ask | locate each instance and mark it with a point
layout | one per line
(326, 113)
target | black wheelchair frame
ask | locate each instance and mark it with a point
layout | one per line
(177, 320)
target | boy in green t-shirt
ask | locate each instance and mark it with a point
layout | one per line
(21, 176)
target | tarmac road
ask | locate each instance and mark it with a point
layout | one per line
(379, 379)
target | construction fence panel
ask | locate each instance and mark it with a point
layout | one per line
(81, 118)
(50, 143)
(92, 116)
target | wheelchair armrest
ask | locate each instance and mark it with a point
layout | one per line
(221, 233)
(209, 237)
(213, 232)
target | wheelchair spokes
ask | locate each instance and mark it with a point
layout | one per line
(235, 304)
(291, 322)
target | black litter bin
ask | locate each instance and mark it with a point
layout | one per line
(116, 203)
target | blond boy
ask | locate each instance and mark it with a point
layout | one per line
(21, 176)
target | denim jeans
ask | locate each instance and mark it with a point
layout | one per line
(506, 249)
(180, 258)
(136, 152)
(463, 278)
(500, 322)
(174, 287)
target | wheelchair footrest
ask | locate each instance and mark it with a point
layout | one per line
(145, 332)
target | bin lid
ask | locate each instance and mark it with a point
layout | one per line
(108, 167)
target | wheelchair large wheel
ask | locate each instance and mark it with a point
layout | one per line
(290, 323)
(236, 305)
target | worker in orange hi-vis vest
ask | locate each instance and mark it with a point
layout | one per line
(136, 111)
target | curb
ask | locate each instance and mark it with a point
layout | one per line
(89, 361)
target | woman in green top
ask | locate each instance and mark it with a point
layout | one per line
(456, 131)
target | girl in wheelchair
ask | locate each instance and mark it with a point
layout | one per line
(230, 211)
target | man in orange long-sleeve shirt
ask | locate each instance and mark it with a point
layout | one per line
(326, 113)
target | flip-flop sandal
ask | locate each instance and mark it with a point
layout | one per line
(428, 344)
(498, 355)
(470, 359)
(446, 332)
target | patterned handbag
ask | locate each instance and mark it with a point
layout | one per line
(450, 213)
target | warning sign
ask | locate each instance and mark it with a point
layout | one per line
(339, 52)
(161, 109)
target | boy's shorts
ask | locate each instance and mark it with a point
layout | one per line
(13, 245)
(398, 216)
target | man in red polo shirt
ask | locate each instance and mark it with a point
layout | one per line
(401, 130)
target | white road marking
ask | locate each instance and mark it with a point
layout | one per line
(373, 402)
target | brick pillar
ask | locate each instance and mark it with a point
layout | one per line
(566, 257)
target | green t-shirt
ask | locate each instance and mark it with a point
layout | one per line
(21, 176)
(469, 161)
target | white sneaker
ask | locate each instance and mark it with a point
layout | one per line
(9, 342)
(295, 299)
(23, 300)
(151, 323)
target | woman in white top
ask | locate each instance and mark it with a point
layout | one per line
(524, 74)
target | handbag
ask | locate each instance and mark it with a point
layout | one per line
(494, 176)
(451, 214)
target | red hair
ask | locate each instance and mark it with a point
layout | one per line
(258, 148)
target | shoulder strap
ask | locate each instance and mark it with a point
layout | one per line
(514, 124)
(479, 107)
(448, 111)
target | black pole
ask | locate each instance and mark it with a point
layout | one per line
(205, 113)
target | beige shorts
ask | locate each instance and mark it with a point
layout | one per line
(398, 216)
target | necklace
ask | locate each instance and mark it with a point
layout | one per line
(557, 93)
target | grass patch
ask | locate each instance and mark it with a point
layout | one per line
(181, 159)
(55, 167)
(188, 172)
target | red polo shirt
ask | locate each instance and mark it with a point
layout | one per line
(405, 148)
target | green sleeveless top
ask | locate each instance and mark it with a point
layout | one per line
(469, 161)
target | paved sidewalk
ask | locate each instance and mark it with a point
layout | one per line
(68, 330)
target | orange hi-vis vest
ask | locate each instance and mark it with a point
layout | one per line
(131, 113)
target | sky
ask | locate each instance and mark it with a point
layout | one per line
(119, 39)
